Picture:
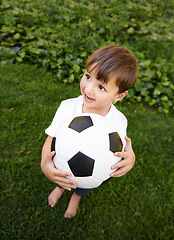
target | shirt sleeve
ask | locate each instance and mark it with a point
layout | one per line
(123, 125)
(118, 119)
(66, 110)
(57, 120)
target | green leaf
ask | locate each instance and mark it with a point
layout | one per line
(144, 92)
(19, 59)
(17, 36)
(83, 54)
(152, 102)
(156, 92)
(164, 98)
(167, 83)
(59, 61)
(71, 78)
(150, 73)
(54, 53)
(76, 68)
(35, 50)
(145, 63)
(130, 30)
(138, 85)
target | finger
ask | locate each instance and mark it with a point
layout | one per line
(63, 186)
(62, 173)
(119, 173)
(120, 154)
(119, 164)
(128, 146)
(127, 139)
(65, 180)
(62, 178)
(67, 186)
(53, 154)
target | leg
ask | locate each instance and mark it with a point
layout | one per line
(73, 206)
(54, 196)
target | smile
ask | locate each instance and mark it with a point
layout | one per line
(89, 99)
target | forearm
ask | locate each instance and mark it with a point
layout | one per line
(46, 149)
(49, 170)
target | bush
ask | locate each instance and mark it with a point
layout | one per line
(60, 35)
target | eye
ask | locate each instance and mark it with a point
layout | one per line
(88, 77)
(101, 87)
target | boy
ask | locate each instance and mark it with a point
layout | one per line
(111, 71)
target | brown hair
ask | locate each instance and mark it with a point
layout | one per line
(113, 61)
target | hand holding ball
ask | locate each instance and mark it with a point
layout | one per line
(85, 146)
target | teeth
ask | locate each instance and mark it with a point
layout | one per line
(90, 99)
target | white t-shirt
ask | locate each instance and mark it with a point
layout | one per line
(73, 107)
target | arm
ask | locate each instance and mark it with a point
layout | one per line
(47, 166)
(128, 161)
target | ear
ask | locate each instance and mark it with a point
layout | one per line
(120, 96)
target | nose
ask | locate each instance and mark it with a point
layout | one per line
(89, 87)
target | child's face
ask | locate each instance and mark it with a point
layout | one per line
(97, 96)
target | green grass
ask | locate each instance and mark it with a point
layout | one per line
(137, 206)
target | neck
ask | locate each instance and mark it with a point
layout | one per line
(103, 112)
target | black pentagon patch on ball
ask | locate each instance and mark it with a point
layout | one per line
(53, 144)
(81, 165)
(115, 142)
(81, 123)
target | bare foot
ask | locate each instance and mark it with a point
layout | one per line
(54, 196)
(73, 206)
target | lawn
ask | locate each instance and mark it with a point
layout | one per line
(136, 206)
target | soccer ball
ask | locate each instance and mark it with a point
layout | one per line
(85, 146)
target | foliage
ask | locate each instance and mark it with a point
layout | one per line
(136, 206)
(60, 35)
